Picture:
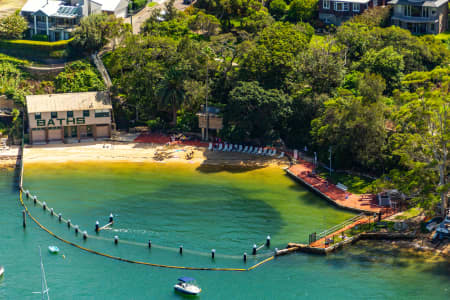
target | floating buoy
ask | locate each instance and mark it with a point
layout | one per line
(213, 253)
(181, 249)
(254, 249)
(268, 241)
(116, 239)
(245, 256)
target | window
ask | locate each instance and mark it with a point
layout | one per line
(340, 6)
(54, 115)
(355, 6)
(85, 113)
(432, 28)
(70, 114)
(37, 116)
(101, 113)
(326, 4)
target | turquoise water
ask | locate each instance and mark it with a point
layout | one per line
(201, 209)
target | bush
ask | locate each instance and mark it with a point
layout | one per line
(40, 37)
(35, 50)
(156, 124)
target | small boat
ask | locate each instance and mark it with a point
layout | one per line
(2, 271)
(186, 285)
(53, 249)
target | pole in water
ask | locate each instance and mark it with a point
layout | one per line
(245, 256)
(181, 249)
(34, 199)
(59, 217)
(27, 193)
(268, 241)
(24, 215)
(111, 218)
(276, 251)
(149, 243)
(97, 226)
(85, 235)
(76, 229)
(51, 212)
(68, 223)
(254, 249)
(116, 239)
(44, 205)
(213, 253)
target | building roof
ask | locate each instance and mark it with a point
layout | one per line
(108, 5)
(68, 102)
(59, 9)
(354, 1)
(426, 3)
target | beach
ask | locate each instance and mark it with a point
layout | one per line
(142, 152)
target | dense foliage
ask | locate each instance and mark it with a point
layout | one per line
(12, 27)
(78, 76)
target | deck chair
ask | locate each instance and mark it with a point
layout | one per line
(240, 148)
(274, 151)
(220, 147)
(210, 146)
(245, 149)
(281, 155)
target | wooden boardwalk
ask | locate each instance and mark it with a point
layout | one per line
(362, 203)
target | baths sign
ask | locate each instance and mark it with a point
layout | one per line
(61, 122)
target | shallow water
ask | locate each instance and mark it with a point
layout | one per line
(201, 209)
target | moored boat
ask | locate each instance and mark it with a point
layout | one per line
(186, 285)
(2, 271)
(53, 249)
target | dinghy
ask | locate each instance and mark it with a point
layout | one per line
(53, 249)
(2, 270)
(186, 285)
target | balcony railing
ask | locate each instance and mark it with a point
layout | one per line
(415, 19)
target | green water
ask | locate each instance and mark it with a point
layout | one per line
(201, 209)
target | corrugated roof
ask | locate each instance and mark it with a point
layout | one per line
(68, 102)
(430, 3)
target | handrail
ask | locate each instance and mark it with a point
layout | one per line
(340, 226)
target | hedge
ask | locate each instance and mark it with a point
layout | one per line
(35, 45)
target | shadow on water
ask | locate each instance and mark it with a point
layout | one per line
(208, 169)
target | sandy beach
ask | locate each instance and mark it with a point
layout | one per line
(140, 152)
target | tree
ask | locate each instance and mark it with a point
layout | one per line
(207, 24)
(255, 113)
(387, 62)
(78, 77)
(13, 26)
(375, 16)
(355, 131)
(302, 10)
(171, 91)
(277, 9)
(96, 30)
(422, 136)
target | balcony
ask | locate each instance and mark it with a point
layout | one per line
(409, 19)
(51, 26)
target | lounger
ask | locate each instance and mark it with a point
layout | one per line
(281, 155)
(274, 151)
(225, 148)
(245, 149)
(210, 146)
(258, 150)
(240, 148)
(250, 149)
(220, 147)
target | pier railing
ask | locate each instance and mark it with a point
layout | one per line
(339, 226)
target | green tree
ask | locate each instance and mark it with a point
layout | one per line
(302, 10)
(255, 113)
(355, 131)
(207, 24)
(171, 93)
(95, 31)
(422, 137)
(386, 62)
(13, 26)
(277, 8)
(78, 77)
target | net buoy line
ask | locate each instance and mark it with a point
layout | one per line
(134, 261)
(78, 230)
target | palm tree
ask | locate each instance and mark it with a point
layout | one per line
(171, 91)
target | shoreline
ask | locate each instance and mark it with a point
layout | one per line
(144, 153)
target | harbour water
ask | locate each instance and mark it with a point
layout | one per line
(201, 208)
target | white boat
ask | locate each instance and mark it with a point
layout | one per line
(53, 249)
(186, 285)
(2, 271)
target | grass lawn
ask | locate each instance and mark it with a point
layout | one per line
(151, 4)
(355, 184)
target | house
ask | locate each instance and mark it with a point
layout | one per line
(69, 117)
(336, 12)
(420, 17)
(58, 18)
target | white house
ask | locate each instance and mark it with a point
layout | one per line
(57, 18)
